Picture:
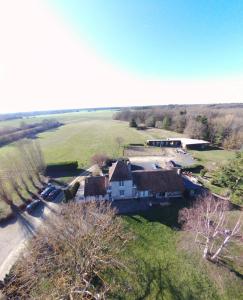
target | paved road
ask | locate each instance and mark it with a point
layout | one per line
(15, 234)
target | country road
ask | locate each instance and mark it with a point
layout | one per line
(15, 233)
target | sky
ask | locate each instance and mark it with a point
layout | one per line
(57, 54)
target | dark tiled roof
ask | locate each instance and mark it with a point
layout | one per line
(158, 181)
(95, 186)
(119, 171)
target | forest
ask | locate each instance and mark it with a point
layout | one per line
(221, 125)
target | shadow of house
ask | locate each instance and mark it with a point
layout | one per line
(167, 215)
(136, 167)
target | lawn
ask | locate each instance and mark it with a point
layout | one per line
(212, 159)
(160, 267)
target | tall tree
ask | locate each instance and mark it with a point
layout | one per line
(209, 222)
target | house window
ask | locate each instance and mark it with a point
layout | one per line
(121, 183)
(121, 193)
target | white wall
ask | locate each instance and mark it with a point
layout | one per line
(115, 189)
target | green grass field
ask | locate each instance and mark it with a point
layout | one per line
(84, 134)
(164, 266)
(212, 159)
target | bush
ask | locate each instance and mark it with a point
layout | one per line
(71, 192)
(203, 172)
(196, 168)
(133, 123)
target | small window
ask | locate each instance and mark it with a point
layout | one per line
(121, 193)
(121, 183)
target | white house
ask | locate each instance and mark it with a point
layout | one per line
(122, 183)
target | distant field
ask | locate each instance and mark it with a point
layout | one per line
(87, 133)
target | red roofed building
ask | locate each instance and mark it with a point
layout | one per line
(122, 183)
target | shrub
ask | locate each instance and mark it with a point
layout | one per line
(203, 172)
(71, 192)
(133, 123)
(196, 168)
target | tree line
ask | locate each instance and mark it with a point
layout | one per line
(221, 126)
(21, 172)
(12, 134)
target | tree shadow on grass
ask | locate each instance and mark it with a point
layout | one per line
(25, 224)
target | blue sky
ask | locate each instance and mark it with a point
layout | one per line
(163, 38)
(58, 54)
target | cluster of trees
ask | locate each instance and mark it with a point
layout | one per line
(12, 134)
(230, 176)
(72, 257)
(21, 171)
(222, 126)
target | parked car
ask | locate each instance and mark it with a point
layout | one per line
(47, 191)
(53, 194)
(33, 205)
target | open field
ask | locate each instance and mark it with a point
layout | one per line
(85, 134)
(167, 264)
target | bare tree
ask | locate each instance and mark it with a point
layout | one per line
(208, 219)
(5, 194)
(71, 255)
(99, 159)
(32, 159)
(119, 141)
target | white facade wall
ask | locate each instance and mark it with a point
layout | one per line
(142, 194)
(121, 191)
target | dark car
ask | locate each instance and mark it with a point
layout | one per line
(47, 191)
(53, 194)
(30, 207)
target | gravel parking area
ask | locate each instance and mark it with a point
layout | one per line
(149, 162)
